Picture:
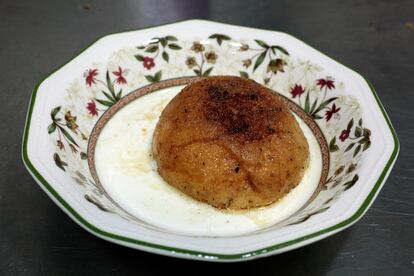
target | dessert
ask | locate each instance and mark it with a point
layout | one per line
(230, 142)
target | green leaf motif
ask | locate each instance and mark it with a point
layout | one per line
(103, 102)
(349, 147)
(364, 140)
(351, 183)
(219, 38)
(360, 122)
(197, 72)
(163, 42)
(140, 47)
(110, 84)
(244, 74)
(261, 43)
(313, 107)
(139, 57)
(283, 50)
(366, 145)
(83, 156)
(174, 46)
(155, 78)
(150, 78)
(367, 132)
(158, 76)
(357, 149)
(54, 112)
(307, 103)
(152, 49)
(207, 72)
(51, 128)
(358, 132)
(59, 162)
(109, 97)
(332, 142)
(165, 56)
(259, 60)
(118, 96)
(67, 135)
(350, 124)
(171, 38)
(333, 146)
(317, 117)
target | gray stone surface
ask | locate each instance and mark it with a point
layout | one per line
(372, 37)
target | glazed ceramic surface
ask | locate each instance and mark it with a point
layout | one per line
(66, 106)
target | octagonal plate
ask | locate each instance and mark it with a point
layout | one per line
(66, 105)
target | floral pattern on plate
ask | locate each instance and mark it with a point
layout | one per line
(320, 95)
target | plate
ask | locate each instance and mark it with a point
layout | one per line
(66, 106)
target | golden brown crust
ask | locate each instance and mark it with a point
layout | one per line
(230, 142)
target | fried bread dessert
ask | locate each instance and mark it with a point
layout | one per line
(230, 142)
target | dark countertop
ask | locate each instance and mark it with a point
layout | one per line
(375, 38)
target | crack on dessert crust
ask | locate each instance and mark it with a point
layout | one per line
(218, 142)
(241, 164)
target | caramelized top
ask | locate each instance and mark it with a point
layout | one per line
(239, 111)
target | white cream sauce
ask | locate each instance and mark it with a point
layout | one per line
(128, 172)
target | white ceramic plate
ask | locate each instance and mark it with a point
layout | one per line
(66, 105)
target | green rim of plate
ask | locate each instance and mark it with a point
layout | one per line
(198, 254)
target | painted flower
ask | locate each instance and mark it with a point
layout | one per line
(90, 76)
(276, 65)
(148, 62)
(211, 57)
(60, 145)
(331, 112)
(297, 90)
(344, 135)
(71, 121)
(73, 149)
(197, 47)
(120, 76)
(247, 63)
(92, 108)
(328, 82)
(191, 62)
(244, 47)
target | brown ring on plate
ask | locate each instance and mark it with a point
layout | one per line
(188, 80)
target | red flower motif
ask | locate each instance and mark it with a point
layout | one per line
(92, 108)
(120, 79)
(90, 76)
(331, 112)
(148, 62)
(328, 82)
(344, 135)
(297, 90)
